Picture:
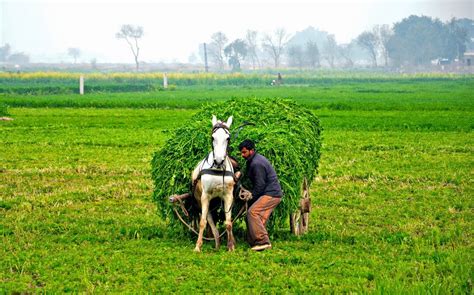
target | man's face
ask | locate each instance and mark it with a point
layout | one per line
(246, 153)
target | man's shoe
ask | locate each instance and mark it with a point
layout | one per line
(261, 247)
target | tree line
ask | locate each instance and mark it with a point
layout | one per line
(413, 41)
(6, 55)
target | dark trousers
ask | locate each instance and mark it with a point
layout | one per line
(257, 217)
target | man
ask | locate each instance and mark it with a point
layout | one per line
(266, 193)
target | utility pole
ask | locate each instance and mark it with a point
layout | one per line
(205, 58)
(81, 85)
(165, 80)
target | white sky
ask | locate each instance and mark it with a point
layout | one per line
(174, 29)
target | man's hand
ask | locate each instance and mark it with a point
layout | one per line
(245, 195)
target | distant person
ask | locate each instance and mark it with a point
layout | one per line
(266, 192)
(279, 79)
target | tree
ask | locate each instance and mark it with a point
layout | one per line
(193, 59)
(369, 42)
(467, 25)
(201, 52)
(311, 54)
(295, 56)
(330, 50)
(19, 58)
(345, 51)
(235, 52)
(417, 40)
(5, 52)
(252, 47)
(383, 34)
(458, 39)
(309, 34)
(275, 45)
(94, 63)
(131, 34)
(216, 49)
(74, 52)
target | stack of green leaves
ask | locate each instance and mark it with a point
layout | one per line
(287, 134)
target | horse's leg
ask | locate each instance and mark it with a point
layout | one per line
(228, 199)
(203, 222)
(214, 230)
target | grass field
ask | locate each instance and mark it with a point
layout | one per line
(392, 205)
(41, 83)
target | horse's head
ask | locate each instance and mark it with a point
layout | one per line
(220, 139)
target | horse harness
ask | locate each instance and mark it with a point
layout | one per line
(216, 170)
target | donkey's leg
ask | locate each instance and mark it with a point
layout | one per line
(214, 230)
(203, 222)
(228, 199)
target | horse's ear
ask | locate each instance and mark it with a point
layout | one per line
(214, 120)
(229, 121)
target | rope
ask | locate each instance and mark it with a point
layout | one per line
(191, 228)
(244, 208)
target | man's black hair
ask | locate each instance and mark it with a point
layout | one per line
(248, 144)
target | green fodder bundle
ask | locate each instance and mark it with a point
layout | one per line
(284, 132)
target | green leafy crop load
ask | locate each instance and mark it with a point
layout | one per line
(284, 132)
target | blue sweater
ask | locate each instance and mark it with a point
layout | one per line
(263, 177)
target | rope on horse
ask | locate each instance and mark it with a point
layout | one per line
(244, 208)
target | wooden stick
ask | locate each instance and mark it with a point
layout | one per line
(176, 198)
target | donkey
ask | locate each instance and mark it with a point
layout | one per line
(214, 177)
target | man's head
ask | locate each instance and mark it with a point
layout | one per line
(247, 148)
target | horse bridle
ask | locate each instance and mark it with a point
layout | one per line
(216, 127)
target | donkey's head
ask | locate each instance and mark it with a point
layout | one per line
(220, 139)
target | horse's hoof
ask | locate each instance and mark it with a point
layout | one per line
(231, 248)
(197, 250)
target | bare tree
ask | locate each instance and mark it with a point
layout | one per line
(368, 40)
(275, 45)
(383, 34)
(345, 51)
(216, 49)
(74, 52)
(330, 50)
(252, 47)
(131, 34)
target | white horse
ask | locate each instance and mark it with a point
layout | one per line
(214, 177)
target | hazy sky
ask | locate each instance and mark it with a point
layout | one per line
(174, 29)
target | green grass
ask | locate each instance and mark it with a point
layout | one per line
(39, 83)
(392, 205)
(362, 94)
(3, 109)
